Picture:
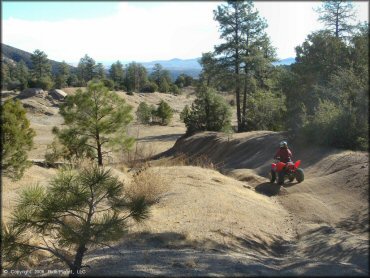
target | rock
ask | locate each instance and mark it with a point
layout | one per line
(57, 94)
(33, 92)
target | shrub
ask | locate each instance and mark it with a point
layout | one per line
(16, 139)
(149, 185)
(209, 111)
(265, 111)
(108, 83)
(149, 87)
(174, 89)
(44, 83)
(164, 112)
(144, 113)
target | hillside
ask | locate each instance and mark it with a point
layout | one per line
(9, 54)
(223, 217)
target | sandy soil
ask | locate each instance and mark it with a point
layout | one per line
(229, 220)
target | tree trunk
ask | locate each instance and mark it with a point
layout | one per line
(78, 261)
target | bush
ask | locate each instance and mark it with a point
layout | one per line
(174, 89)
(164, 112)
(149, 185)
(16, 139)
(44, 83)
(209, 111)
(266, 111)
(144, 113)
(164, 87)
(109, 84)
(149, 87)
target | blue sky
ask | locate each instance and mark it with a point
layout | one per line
(144, 31)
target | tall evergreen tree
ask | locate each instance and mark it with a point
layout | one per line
(62, 75)
(246, 50)
(336, 14)
(116, 73)
(86, 69)
(41, 66)
(22, 74)
(99, 71)
(136, 77)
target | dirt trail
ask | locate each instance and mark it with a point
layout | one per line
(231, 221)
(329, 210)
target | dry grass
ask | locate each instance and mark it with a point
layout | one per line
(202, 161)
(148, 183)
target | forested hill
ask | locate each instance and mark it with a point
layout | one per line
(11, 54)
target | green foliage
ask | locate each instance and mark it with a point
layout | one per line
(336, 15)
(44, 83)
(108, 83)
(266, 111)
(16, 139)
(68, 147)
(62, 75)
(245, 56)
(86, 69)
(144, 113)
(164, 86)
(136, 77)
(174, 89)
(160, 76)
(209, 111)
(41, 66)
(79, 210)
(327, 90)
(164, 112)
(99, 71)
(150, 87)
(98, 119)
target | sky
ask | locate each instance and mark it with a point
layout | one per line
(145, 31)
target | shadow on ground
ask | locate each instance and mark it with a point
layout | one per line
(165, 137)
(170, 254)
(268, 189)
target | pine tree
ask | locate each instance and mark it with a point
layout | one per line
(62, 75)
(335, 14)
(16, 139)
(164, 112)
(79, 210)
(86, 69)
(98, 118)
(136, 77)
(117, 74)
(41, 66)
(246, 48)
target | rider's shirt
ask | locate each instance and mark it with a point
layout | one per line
(285, 155)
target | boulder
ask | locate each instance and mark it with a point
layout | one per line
(33, 92)
(57, 94)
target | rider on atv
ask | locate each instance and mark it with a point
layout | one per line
(283, 154)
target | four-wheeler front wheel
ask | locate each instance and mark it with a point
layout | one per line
(299, 175)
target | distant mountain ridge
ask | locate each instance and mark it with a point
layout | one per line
(175, 66)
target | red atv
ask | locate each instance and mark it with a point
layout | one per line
(285, 171)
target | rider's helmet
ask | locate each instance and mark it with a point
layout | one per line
(283, 144)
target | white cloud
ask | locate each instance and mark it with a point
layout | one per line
(148, 31)
(179, 29)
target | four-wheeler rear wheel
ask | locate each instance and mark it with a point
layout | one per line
(299, 175)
